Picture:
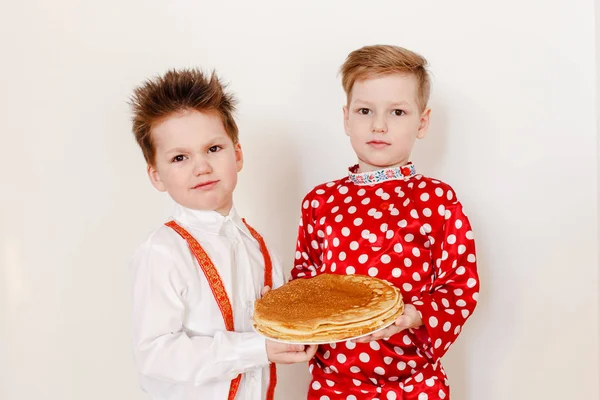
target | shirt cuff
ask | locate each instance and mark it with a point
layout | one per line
(254, 350)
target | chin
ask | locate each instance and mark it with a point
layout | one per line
(388, 163)
(198, 207)
(380, 164)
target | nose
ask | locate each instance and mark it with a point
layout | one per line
(202, 167)
(379, 124)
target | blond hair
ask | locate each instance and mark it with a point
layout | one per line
(371, 61)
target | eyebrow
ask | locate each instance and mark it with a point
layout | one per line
(210, 143)
(177, 150)
(398, 103)
(401, 103)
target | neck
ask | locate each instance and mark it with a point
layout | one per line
(365, 167)
(225, 209)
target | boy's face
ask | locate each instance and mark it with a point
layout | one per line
(383, 120)
(196, 162)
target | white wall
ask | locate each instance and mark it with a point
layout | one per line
(514, 131)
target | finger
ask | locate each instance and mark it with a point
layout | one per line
(364, 339)
(311, 351)
(386, 333)
(295, 357)
(406, 324)
(401, 322)
(265, 290)
(294, 348)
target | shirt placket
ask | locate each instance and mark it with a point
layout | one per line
(242, 282)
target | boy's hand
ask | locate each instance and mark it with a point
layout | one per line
(410, 318)
(282, 353)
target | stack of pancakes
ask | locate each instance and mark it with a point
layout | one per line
(327, 308)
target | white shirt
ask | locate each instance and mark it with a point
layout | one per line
(181, 346)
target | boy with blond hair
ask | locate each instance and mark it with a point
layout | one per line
(385, 220)
(195, 279)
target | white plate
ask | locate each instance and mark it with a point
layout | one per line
(328, 342)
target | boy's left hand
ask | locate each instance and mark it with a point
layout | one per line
(410, 318)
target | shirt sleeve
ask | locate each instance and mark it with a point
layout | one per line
(162, 349)
(452, 296)
(309, 245)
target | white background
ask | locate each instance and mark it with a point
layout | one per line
(514, 131)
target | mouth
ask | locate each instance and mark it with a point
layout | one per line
(205, 185)
(378, 144)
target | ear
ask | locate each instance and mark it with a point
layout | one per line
(155, 179)
(424, 124)
(239, 156)
(346, 116)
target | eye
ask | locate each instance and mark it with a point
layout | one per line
(364, 111)
(398, 113)
(214, 149)
(178, 158)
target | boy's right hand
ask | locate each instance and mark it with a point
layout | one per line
(282, 353)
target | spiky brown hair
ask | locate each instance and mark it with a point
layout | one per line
(177, 91)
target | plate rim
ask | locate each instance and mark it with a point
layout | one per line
(325, 342)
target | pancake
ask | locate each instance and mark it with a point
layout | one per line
(327, 307)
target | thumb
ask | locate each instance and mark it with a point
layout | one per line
(265, 290)
(402, 322)
(311, 350)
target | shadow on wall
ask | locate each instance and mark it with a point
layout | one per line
(430, 158)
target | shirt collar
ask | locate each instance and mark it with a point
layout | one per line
(208, 221)
(386, 174)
